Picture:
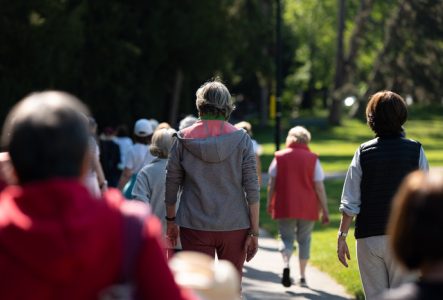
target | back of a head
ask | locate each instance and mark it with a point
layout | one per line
(386, 113)
(214, 98)
(298, 134)
(161, 143)
(186, 122)
(416, 221)
(244, 125)
(46, 135)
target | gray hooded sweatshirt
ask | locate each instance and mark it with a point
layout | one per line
(217, 179)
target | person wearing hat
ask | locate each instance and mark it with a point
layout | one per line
(137, 157)
(212, 167)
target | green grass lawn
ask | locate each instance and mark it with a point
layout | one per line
(336, 146)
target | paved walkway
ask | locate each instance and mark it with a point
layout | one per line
(262, 278)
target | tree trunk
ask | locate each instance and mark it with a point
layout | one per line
(336, 106)
(175, 100)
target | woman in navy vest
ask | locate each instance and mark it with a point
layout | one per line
(375, 173)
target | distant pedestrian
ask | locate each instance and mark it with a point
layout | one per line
(137, 157)
(416, 230)
(296, 194)
(57, 241)
(257, 148)
(124, 142)
(375, 173)
(186, 122)
(212, 164)
(95, 179)
(110, 156)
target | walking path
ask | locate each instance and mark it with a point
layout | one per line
(262, 276)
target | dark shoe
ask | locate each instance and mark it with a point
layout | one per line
(286, 280)
(303, 282)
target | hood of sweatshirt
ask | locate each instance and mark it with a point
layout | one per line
(214, 149)
(56, 231)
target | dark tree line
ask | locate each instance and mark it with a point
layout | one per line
(130, 59)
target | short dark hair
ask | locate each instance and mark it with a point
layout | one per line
(386, 113)
(47, 135)
(416, 221)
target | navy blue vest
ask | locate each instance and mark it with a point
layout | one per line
(385, 161)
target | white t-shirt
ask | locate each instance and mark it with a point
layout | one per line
(125, 144)
(137, 157)
(319, 175)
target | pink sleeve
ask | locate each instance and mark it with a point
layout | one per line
(154, 278)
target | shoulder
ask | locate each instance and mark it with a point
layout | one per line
(369, 143)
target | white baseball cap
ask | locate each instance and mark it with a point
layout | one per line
(143, 128)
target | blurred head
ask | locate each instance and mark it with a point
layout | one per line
(47, 136)
(386, 113)
(416, 221)
(186, 122)
(122, 130)
(246, 126)
(143, 131)
(298, 134)
(163, 125)
(161, 142)
(214, 98)
(208, 279)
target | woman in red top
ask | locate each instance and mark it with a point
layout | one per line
(295, 193)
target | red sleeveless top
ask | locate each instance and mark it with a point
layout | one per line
(295, 195)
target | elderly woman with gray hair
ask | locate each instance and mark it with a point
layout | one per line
(296, 194)
(212, 164)
(150, 183)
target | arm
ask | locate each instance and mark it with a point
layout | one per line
(124, 178)
(251, 245)
(174, 180)
(342, 246)
(102, 183)
(271, 190)
(252, 191)
(257, 158)
(322, 200)
(142, 189)
(423, 161)
(7, 175)
(350, 206)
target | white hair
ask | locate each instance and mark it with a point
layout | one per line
(298, 134)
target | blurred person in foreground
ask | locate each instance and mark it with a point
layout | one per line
(57, 241)
(150, 184)
(257, 148)
(212, 164)
(296, 195)
(137, 156)
(375, 173)
(416, 230)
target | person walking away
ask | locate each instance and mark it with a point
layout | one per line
(212, 164)
(296, 194)
(373, 177)
(137, 157)
(57, 241)
(95, 179)
(150, 183)
(125, 144)
(109, 156)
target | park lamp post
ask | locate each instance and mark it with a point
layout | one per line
(278, 76)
